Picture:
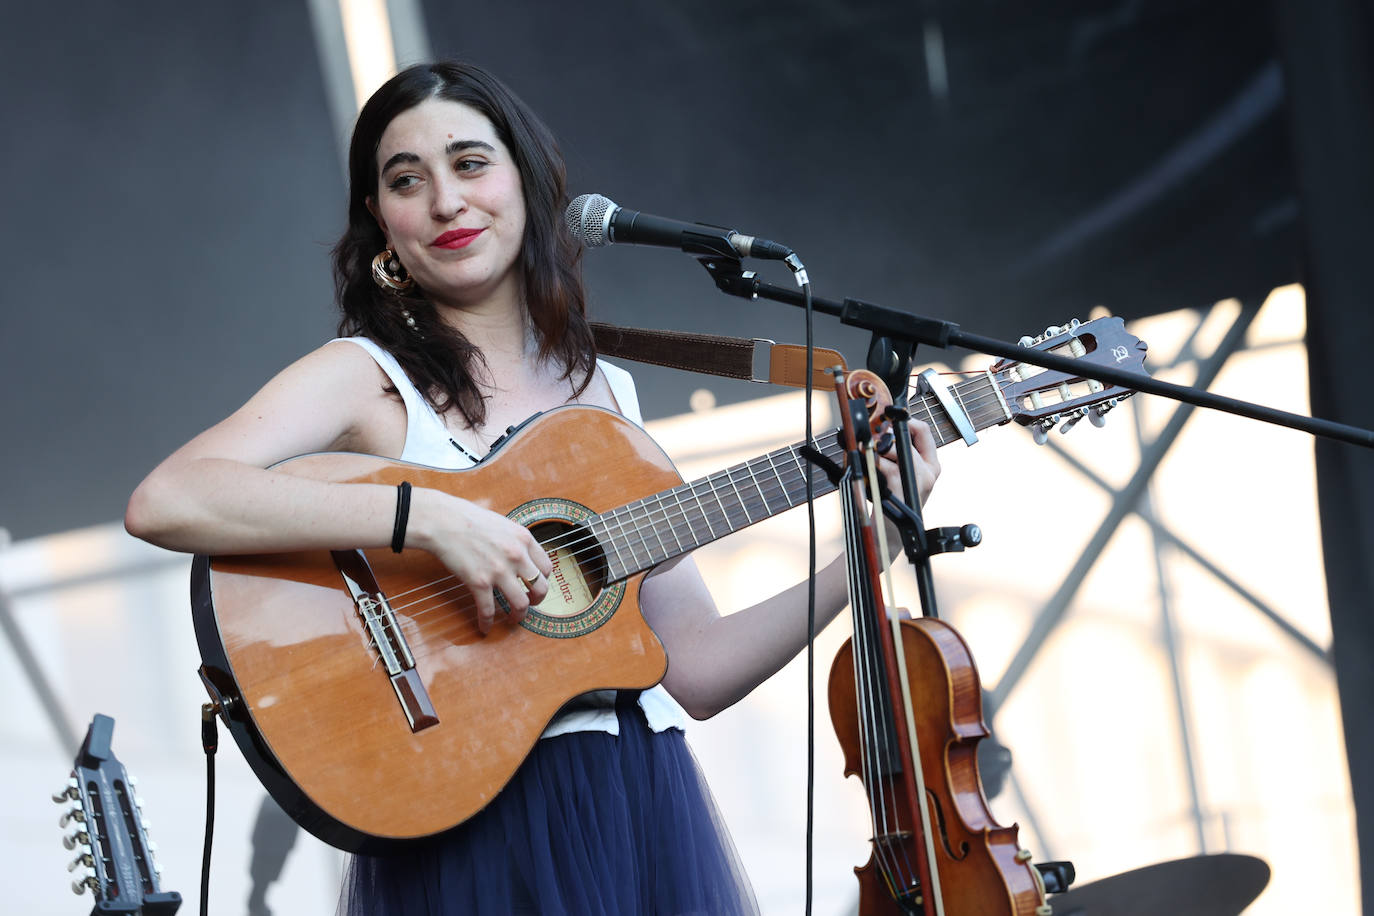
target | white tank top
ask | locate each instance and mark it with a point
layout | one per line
(428, 442)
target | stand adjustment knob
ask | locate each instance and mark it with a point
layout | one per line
(951, 540)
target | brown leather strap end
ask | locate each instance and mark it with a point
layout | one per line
(787, 366)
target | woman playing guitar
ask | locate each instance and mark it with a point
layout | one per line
(463, 314)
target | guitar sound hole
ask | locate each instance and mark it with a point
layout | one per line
(579, 568)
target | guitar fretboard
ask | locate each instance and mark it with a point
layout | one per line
(645, 533)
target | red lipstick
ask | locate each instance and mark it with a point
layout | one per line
(456, 238)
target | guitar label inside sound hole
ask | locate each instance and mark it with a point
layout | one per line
(578, 600)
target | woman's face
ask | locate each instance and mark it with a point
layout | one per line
(450, 203)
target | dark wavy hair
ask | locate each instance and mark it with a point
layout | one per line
(439, 360)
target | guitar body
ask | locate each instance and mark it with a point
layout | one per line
(305, 694)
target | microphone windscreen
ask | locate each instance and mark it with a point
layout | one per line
(588, 219)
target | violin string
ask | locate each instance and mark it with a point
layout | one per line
(873, 727)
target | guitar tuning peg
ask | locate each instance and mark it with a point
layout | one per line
(152, 844)
(133, 780)
(84, 859)
(69, 791)
(79, 887)
(1027, 341)
(1069, 424)
(76, 814)
(79, 838)
(1039, 433)
(1051, 332)
(1098, 417)
(138, 802)
(1074, 323)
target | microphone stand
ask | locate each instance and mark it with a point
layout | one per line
(896, 334)
(905, 327)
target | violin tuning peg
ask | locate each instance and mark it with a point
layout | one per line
(1023, 856)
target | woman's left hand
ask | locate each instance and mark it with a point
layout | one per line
(927, 464)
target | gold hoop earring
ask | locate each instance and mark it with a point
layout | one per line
(388, 273)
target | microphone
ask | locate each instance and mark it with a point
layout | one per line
(595, 220)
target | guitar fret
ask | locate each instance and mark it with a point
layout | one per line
(749, 467)
(718, 501)
(704, 516)
(655, 529)
(773, 469)
(739, 497)
(635, 531)
(605, 536)
(683, 511)
(672, 529)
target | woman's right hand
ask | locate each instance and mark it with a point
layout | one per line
(485, 550)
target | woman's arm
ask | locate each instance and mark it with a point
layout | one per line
(216, 494)
(715, 660)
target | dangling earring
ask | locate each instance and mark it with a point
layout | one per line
(388, 273)
(410, 319)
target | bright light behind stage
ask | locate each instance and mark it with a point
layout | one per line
(1093, 725)
(367, 33)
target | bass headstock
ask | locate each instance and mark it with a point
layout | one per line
(108, 832)
(1044, 398)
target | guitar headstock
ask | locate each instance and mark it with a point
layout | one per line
(1044, 398)
(108, 832)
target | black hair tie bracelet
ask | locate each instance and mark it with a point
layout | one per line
(398, 530)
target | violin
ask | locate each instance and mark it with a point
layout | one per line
(906, 704)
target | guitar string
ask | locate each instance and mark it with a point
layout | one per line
(468, 623)
(618, 518)
(579, 531)
(581, 535)
(747, 467)
(779, 488)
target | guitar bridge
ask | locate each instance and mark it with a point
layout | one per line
(384, 631)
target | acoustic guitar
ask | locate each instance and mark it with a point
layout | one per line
(356, 682)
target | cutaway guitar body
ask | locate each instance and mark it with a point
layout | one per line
(311, 704)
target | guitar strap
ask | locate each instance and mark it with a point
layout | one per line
(752, 359)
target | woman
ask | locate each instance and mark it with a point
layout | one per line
(465, 315)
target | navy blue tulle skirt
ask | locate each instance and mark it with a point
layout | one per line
(591, 823)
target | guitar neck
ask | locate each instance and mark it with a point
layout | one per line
(645, 533)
